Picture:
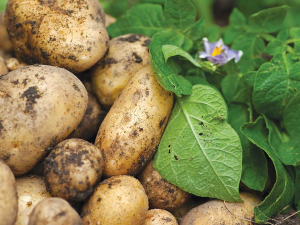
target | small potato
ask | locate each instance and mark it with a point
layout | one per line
(216, 212)
(161, 194)
(39, 107)
(8, 196)
(72, 169)
(3, 68)
(119, 200)
(13, 64)
(68, 34)
(54, 211)
(31, 190)
(160, 217)
(5, 43)
(89, 125)
(109, 20)
(127, 55)
(132, 129)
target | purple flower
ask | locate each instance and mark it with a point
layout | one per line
(218, 53)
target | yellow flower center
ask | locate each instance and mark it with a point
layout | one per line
(217, 51)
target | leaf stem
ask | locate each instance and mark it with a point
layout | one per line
(290, 41)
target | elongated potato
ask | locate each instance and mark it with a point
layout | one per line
(160, 217)
(8, 196)
(119, 200)
(68, 34)
(39, 107)
(132, 129)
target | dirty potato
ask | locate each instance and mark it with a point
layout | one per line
(216, 212)
(119, 200)
(160, 217)
(13, 64)
(161, 194)
(132, 129)
(3, 68)
(72, 169)
(68, 34)
(8, 196)
(54, 211)
(39, 107)
(31, 190)
(127, 55)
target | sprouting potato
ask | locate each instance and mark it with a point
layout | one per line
(109, 20)
(13, 64)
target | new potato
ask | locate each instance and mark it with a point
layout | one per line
(160, 217)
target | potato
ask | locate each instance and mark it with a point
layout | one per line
(72, 169)
(31, 190)
(161, 194)
(89, 125)
(185, 208)
(39, 107)
(54, 211)
(127, 55)
(13, 64)
(216, 212)
(8, 196)
(5, 43)
(160, 217)
(119, 200)
(132, 129)
(68, 34)
(109, 20)
(3, 68)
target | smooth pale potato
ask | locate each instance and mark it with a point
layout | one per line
(72, 169)
(109, 20)
(68, 34)
(31, 190)
(160, 217)
(185, 208)
(8, 196)
(126, 56)
(5, 43)
(119, 200)
(215, 212)
(39, 107)
(132, 129)
(3, 68)
(13, 64)
(89, 125)
(54, 211)
(161, 194)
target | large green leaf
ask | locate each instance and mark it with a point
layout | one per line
(237, 19)
(292, 116)
(199, 151)
(197, 30)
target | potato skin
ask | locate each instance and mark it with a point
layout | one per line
(72, 169)
(40, 106)
(161, 194)
(160, 217)
(68, 34)
(119, 200)
(31, 190)
(3, 68)
(14, 63)
(132, 129)
(8, 196)
(215, 212)
(127, 55)
(54, 211)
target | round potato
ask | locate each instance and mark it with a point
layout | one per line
(8, 196)
(5, 43)
(68, 34)
(109, 20)
(3, 68)
(132, 129)
(119, 200)
(127, 55)
(161, 194)
(39, 107)
(31, 190)
(13, 64)
(72, 169)
(218, 212)
(89, 125)
(54, 211)
(160, 217)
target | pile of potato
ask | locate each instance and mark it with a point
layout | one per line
(63, 86)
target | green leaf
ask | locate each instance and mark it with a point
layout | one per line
(237, 19)
(292, 116)
(254, 161)
(146, 19)
(275, 84)
(197, 30)
(3, 5)
(297, 188)
(275, 47)
(295, 34)
(268, 20)
(289, 152)
(283, 189)
(283, 35)
(229, 86)
(199, 151)
(180, 14)
(230, 35)
(249, 79)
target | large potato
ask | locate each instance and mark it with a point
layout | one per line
(160, 217)
(39, 107)
(5, 43)
(31, 190)
(132, 129)
(127, 55)
(72, 169)
(218, 212)
(68, 34)
(119, 200)
(8, 196)
(54, 211)
(161, 194)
